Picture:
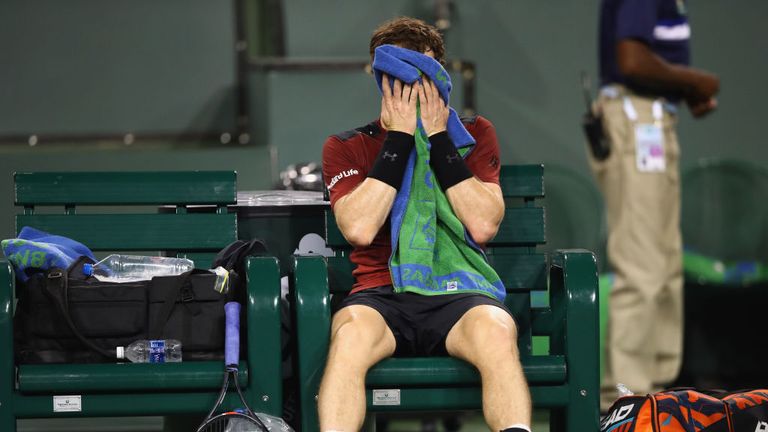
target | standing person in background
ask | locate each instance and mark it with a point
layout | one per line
(644, 58)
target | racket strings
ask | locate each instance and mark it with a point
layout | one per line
(233, 422)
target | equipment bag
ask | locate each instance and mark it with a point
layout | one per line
(63, 318)
(688, 410)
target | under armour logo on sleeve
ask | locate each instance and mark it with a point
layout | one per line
(452, 158)
(390, 156)
(494, 162)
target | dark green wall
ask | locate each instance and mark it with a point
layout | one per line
(106, 66)
(528, 55)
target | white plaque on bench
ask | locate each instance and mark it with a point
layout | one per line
(70, 403)
(386, 397)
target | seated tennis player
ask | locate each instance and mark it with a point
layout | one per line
(417, 194)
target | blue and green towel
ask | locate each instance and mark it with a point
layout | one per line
(34, 251)
(432, 253)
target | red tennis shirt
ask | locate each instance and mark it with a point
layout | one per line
(347, 158)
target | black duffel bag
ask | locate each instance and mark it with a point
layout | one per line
(63, 318)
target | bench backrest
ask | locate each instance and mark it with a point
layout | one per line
(142, 212)
(513, 252)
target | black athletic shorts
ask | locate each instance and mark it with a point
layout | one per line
(420, 323)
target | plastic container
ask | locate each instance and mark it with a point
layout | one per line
(623, 390)
(131, 268)
(221, 284)
(151, 351)
(273, 424)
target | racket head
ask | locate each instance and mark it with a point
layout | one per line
(232, 421)
(232, 335)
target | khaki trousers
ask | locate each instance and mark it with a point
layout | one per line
(645, 319)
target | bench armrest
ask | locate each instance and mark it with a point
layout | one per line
(264, 346)
(313, 315)
(7, 369)
(574, 303)
(573, 298)
(313, 327)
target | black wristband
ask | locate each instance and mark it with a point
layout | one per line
(447, 163)
(392, 159)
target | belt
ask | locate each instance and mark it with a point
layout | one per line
(615, 91)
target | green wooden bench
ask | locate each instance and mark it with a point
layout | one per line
(565, 379)
(118, 211)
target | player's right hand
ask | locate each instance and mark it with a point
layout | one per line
(398, 106)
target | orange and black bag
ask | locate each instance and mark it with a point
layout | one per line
(687, 410)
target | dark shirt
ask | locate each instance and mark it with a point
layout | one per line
(660, 24)
(347, 158)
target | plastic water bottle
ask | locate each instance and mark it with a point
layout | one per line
(151, 351)
(131, 268)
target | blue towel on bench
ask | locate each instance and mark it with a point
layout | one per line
(34, 250)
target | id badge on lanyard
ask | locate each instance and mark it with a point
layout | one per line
(649, 139)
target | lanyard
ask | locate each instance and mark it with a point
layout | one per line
(656, 109)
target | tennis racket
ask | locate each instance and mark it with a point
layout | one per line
(244, 419)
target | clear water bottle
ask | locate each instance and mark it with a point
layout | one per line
(151, 351)
(131, 268)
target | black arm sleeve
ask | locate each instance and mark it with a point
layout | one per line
(446, 162)
(392, 159)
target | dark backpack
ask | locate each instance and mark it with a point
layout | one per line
(232, 258)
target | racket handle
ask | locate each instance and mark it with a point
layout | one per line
(232, 334)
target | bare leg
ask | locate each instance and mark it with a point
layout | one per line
(359, 339)
(486, 336)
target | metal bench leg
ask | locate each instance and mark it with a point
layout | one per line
(7, 369)
(7, 420)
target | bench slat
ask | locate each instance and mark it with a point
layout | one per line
(63, 378)
(464, 398)
(132, 404)
(521, 226)
(522, 181)
(103, 188)
(439, 371)
(138, 232)
(520, 272)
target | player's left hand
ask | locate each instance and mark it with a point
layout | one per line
(434, 111)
